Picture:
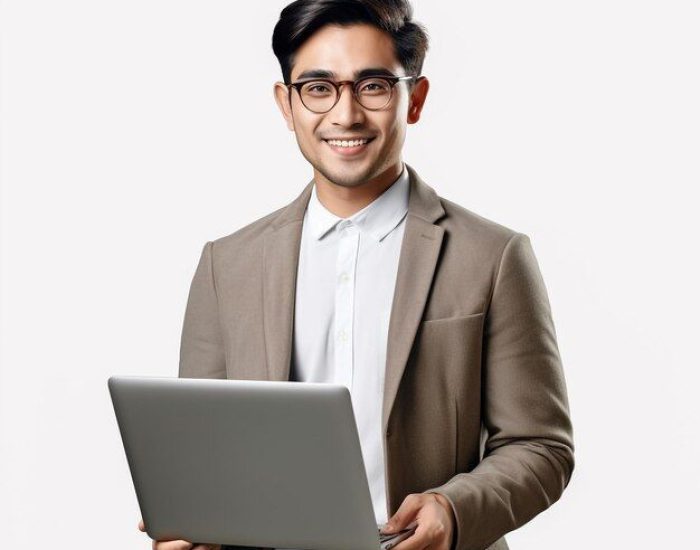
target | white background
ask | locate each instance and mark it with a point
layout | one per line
(134, 131)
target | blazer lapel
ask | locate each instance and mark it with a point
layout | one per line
(280, 261)
(420, 250)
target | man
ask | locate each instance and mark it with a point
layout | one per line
(437, 319)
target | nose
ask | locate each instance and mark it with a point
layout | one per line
(347, 112)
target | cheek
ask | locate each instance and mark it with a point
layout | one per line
(305, 124)
(393, 124)
(394, 132)
(304, 130)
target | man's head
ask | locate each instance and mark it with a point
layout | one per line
(341, 40)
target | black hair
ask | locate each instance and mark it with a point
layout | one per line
(300, 19)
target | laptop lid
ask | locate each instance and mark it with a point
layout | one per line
(249, 463)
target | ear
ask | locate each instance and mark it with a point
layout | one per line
(417, 99)
(283, 100)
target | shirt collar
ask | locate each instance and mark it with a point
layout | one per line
(378, 218)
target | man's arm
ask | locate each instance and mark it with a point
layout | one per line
(201, 346)
(529, 453)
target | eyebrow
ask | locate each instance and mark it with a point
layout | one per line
(323, 73)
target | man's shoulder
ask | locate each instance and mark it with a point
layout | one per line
(251, 234)
(467, 227)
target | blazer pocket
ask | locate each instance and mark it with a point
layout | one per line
(447, 355)
(453, 318)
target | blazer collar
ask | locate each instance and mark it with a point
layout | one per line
(419, 253)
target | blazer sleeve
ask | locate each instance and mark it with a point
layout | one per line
(201, 346)
(528, 454)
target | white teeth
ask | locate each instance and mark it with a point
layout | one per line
(345, 143)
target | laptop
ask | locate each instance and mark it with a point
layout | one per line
(248, 463)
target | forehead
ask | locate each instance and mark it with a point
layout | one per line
(346, 50)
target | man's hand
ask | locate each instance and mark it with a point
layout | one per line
(436, 522)
(178, 544)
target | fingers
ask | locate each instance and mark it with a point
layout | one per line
(419, 540)
(427, 536)
(176, 544)
(172, 545)
(183, 545)
(431, 532)
(404, 515)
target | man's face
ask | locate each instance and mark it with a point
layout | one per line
(344, 52)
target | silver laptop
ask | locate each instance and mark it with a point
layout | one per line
(247, 463)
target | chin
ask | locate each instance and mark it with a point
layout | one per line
(345, 181)
(348, 177)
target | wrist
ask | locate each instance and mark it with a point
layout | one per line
(447, 506)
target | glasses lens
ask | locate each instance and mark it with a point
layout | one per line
(318, 95)
(374, 92)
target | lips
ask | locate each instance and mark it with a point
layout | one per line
(348, 141)
(347, 148)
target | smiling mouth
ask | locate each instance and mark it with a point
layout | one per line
(348, 143)
(349, 147)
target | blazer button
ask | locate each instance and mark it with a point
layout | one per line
(389, 432)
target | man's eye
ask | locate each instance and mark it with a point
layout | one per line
(374, 86)
(318, 88)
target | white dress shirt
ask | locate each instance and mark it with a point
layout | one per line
(344, 292)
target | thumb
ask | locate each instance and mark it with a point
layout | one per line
(142, 526)
(404, 515)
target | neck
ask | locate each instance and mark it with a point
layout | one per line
(345, 201)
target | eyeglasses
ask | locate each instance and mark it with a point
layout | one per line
(320, 95)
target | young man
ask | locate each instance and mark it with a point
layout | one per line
(437, 319)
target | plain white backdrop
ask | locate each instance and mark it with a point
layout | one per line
(132, 132)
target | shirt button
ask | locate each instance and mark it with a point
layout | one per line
(343, 336)
(344, 278)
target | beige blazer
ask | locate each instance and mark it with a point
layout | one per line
(475, 404)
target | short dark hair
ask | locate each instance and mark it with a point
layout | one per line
(300, 19)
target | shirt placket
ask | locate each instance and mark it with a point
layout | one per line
(345, 301)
